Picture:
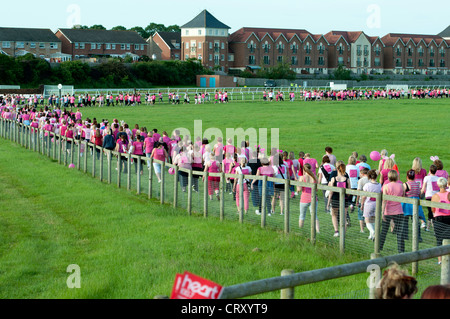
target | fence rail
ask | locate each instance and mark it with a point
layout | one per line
(192, 191)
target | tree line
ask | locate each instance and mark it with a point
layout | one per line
(31, 72)
(146, 32)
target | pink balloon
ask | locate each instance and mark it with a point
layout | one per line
(72, 166)
(375, 156)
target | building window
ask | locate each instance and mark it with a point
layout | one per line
(122, 46)
(321, 60)
(431, 51)
(410, 51)
(442, 63)
(266, 59)
(113, 46)
(142, 47)
(222, 46)
(222, 57)
(199, 45)
(341, 49)
(108, 46)
(280, 47)
(377, 50)
(216, 59)
(320, 48)
(421, 62)
(294, 47)
(280, 59)
(358, 50)
(93, 46)
(307, 60)
(398, 62)
(251, 59)
(399, 51)
(442, 52)
(366, 50)
(409, 63)
(6, 44)
(308, 48)
(266, 47)
(136, 47)
(210, 57)
(76, 45)
(377, 62)
(41, 45)
(20, 45)
(432, 63)
(128, 46)
(340, 60)
(210, 45)
(294, 60)
(187, 32)
(82, 46)
(32, 45)
(200, 32)
(187, 45)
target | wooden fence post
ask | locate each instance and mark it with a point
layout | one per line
(175, 186)
(287, 293)
(263, 202)
(150, 178)
(445, 265)
(287, 184)
(163, 182)
(378, 218)
(205, 195)
(128, 155)
(313, 213)
(222, 196)
(189, 192)
(342, 220)
(415, 234)
(241, 198)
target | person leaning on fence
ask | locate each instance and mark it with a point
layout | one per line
(436, 292)
(393, 211)
(441, 221)
(396, 284)
(340, 180)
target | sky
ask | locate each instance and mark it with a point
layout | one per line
(374, 17)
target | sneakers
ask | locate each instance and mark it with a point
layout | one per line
(257, 212)
(336, 234)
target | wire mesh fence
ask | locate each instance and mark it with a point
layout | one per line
(263, 201)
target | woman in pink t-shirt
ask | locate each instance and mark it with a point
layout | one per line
(441, 216)
(242, 169)
(393, 211)
(305, 197)
(138, 149)
(213, 166)
(148, 147)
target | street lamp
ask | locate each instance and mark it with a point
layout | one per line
(59, 88)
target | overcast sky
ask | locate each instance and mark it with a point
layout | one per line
(374, 17)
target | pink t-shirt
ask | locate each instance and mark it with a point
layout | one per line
(138, 148)
(148, 145)
(312, 162)
(443, 198)
(394, 189)
(266, 170)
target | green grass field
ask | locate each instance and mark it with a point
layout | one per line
(130, 247)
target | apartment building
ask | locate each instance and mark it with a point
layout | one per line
(206, 39)
(89, 43)
(165, 46)
(42, 43)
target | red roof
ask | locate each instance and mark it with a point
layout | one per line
(244, 33)
(391, 38)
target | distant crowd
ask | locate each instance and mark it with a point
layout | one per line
(218, 96)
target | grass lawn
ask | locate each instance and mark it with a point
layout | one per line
(130, 247)
(406, 128)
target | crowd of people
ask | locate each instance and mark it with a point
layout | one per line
(431, 183)
(218, 96)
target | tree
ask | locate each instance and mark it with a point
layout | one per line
(142, 32)
(341, 73)
(119, 28)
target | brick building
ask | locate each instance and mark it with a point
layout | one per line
(42, 43)
(165, 46)
(416, 54)
(206, 39)
(263, 47)
(91, 43)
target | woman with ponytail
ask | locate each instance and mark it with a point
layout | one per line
(305, 198)
(340, 180)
